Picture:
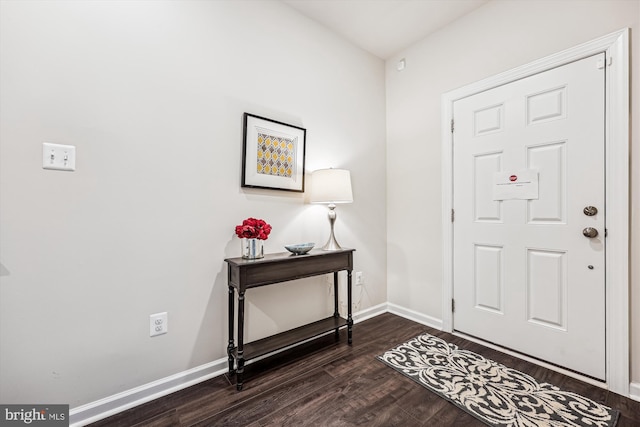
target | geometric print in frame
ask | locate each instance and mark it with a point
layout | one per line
(272, 154)
(276, 155)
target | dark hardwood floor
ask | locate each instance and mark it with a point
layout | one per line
(328, 383)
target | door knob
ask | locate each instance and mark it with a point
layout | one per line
(590, 232)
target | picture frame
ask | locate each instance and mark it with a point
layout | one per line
(273, 154)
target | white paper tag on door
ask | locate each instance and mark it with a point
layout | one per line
(515, 185)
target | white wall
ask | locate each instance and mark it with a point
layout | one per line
(496, 37)
(152, 94)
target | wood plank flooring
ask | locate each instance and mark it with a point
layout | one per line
(329, 383)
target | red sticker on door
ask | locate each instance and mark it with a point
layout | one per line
(513, 178)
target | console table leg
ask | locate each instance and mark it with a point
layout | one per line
(349, 303)
(240, 361)
(336, 307)
(240, 374)
(336, 310)
(230, 346)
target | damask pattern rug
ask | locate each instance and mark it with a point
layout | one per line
(491, 392)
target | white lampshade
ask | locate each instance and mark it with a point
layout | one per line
(331, 186)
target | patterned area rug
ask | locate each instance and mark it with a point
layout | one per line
(491, 392)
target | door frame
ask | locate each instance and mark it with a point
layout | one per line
(616, 47)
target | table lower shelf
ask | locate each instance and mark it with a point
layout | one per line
(279, 341)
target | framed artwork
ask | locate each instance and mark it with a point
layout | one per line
(272, 154)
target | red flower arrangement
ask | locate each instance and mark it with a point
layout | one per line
(252, 228)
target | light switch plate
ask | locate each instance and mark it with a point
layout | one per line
(58, 157)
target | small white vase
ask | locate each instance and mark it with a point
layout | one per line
(252, 248)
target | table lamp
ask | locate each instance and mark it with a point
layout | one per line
(331, 186)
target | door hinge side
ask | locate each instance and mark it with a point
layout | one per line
(453, 215)
(453, 305)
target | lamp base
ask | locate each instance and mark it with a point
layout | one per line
(332, 243)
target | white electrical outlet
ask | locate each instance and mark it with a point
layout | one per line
(158, 324)
(359, 278)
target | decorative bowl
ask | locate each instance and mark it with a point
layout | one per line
(299, 249)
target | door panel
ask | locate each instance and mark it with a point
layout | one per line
(525, 277)
(488, 278)
(550, 161)
(547, 288)
(548, 105)
(486, 209)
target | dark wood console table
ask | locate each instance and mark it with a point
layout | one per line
(245, 274)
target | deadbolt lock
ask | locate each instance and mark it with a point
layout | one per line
(590, 210)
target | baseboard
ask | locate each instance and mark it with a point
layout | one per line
(111, 405)
(415, 316)
(370, 312)
(634, 391)
(103, 408)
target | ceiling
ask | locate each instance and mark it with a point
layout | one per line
(384, 27)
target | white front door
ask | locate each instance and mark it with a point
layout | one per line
(525, 277)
